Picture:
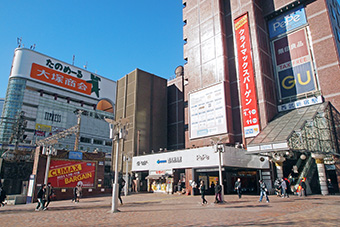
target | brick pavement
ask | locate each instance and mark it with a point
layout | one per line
(179, 210)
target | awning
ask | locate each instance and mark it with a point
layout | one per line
(154, 177)
(307, 129)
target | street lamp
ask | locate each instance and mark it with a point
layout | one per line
(126, 188)
(219, 148)
(49, 151)
(118, 130)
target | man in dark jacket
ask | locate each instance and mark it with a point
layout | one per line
(263, 191)
(218, 190)
(238, 187)
(40, 197)
(121, 183)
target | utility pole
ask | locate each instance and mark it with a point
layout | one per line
(76, 143)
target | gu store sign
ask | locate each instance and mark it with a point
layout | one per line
(246, 74)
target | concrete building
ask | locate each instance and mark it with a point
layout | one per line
(270, 60)
(50, 93)
(142, 99)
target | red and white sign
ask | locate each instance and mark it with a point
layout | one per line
(247, 84)
(67, 173)
(60, 79)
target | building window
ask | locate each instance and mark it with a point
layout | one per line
(100, 142)
(108, 143)
(85, 140)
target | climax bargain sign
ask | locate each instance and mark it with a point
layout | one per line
(67, 173)
(247, 84)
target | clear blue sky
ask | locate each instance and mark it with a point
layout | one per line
(114, 37)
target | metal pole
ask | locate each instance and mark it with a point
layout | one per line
(76, 143)
(220, 174)
(126, 176)
(48, 161)
(115, 187)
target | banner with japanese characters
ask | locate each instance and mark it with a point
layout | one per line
(293, 64)
(246, 74)
(69, 173)
(49, 71)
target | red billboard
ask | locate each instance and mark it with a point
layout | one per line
(247, 84)
(67, 173)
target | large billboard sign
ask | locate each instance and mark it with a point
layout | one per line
(49, 71)
(207, 112)
(293, 65)
(287, 22)
(68, 173)
(247, 82)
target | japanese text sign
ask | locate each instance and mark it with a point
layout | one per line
(60, 79)
(67, 174)
(246, 72)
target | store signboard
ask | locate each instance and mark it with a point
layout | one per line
(68, 173)
(287, 22)
(293, 65)
(207, 112)
(247, 81)
(49, 71)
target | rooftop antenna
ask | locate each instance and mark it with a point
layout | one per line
(32, 47)
(19, 41)
(85, 66)
(73, 59)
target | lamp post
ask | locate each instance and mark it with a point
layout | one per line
(48, 151)
(117, 131)
(219, 148)
(126, 188)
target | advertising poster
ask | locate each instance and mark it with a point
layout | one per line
(207, 112)
(247, 84)
(67, 173)
(293, 64)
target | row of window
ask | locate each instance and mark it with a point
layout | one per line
(95, 141)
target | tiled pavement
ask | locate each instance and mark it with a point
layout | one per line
(179, 210)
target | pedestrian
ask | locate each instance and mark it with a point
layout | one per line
(263, 191)
(179, 186)
(277, 186)
(303, 187)
(2, 196)
(238, 187)
(330, 187)
(212, 188)
(121, 183)
(284, 188)
(202, 191)
(48, 195)
(40, 197)
(134, 183)
(218, 190)
(77, 192)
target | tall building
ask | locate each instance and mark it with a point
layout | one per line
(142, 99)
(276, 64)
(48, 94)
(2, 102)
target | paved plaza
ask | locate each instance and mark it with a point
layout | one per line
(179, 210)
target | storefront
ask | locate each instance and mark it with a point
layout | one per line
(178, 171)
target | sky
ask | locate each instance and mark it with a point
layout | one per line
(111, 37)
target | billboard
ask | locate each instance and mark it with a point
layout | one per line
(67, 173)
(287, 22)
(250, 114)
(49, 71)
(207, 112)
(293, 64)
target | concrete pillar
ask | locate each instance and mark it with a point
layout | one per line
(279, 165)
(319, 160)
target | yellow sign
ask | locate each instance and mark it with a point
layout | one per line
(44, 128)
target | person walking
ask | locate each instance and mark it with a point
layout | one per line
(48, 195)
(202, 191)
(40, 197)
(263, 191)
(303, 187)
(77, 192)
(330, 187)
(218, 190)
(2, 196)
(121, 183)
(238, 187)
(284, 187)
